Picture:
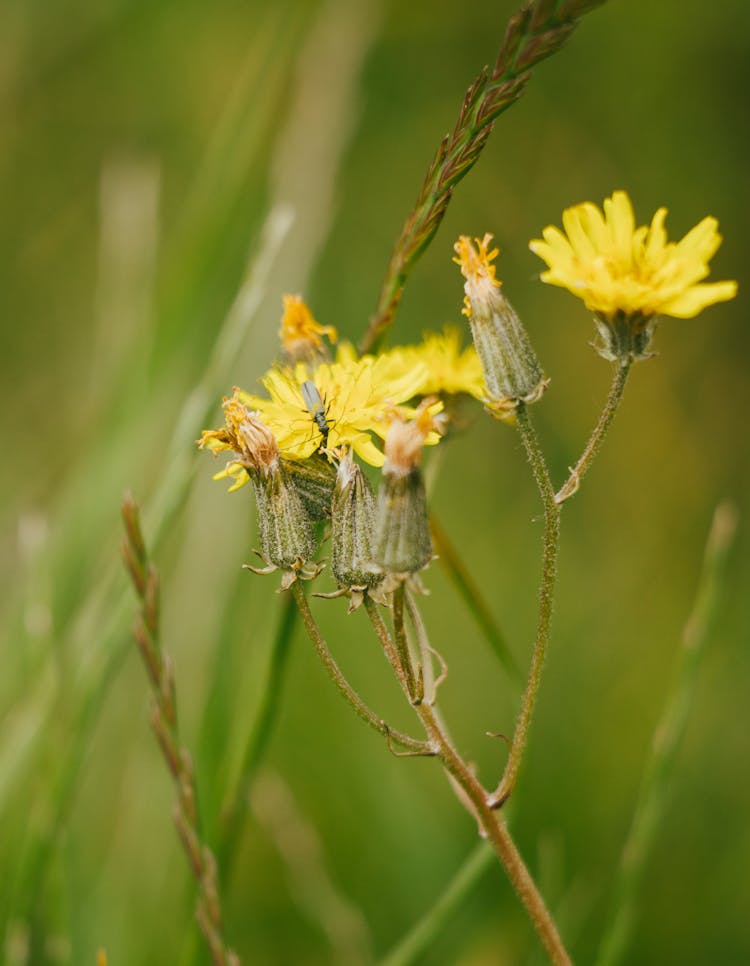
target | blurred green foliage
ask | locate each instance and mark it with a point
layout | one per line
(142, 146)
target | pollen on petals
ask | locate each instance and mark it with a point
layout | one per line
(476, 266)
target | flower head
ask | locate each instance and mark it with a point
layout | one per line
(357, 396)
(300, 334)
(616, 268)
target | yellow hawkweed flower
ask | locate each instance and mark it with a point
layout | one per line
(300, 333)
(357, 396)
(450, 369)
(618, 269)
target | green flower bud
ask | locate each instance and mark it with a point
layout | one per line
(352, 528)
(287, 537)
(511, 370)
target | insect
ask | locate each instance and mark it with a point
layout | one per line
(315, 406)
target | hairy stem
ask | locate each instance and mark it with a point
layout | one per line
(573, 482)
(402, 644)
(346, 690)
(546, 595)
(494, 827)
(492, 824)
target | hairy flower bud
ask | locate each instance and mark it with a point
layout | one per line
(511, 370)
(353, 521)
(287, 537)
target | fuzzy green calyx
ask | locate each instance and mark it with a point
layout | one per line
(511, 369)
(287, 537)
(352, 528)
(624, 338)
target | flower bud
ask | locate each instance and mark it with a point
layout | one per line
(286, 530)
(511, 370)
(287, 537)
(353, 522)
(402, 533)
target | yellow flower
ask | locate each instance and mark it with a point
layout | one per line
(300, 333)
(618, 269)
(450, 369)
(358, 397)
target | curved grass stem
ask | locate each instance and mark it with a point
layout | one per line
(537, 31)
(571, 486)
(164, 723)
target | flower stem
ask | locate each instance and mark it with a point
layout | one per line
(474, 796)
(347, 691)
(402, 644)
(573, 482)
(495, 828)
(546, 593)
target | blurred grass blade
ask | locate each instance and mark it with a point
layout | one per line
(654, 791)
(312, 885)
(236, 808)
(419, 938)
(450, 560)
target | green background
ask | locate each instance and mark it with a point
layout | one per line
(142, 147)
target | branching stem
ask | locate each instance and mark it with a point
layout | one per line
(346, 690)
(493, 825)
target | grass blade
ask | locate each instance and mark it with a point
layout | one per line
(654, 791)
